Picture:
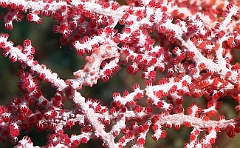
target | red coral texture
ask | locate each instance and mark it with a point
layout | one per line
(184, 50)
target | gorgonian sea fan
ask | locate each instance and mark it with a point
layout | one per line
(180, 48)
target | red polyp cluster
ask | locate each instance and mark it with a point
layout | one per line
(183, 51)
